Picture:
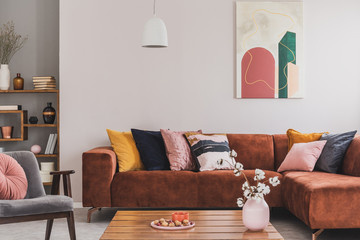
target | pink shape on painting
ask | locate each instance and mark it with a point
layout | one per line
(293, 79)
(258, 74)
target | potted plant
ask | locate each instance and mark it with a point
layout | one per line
(10, 43)
(255, 212)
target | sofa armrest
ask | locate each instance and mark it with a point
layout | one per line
(98, 166)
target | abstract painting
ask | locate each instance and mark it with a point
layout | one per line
(269, 46)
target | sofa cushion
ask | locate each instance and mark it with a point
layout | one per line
(39, 205)
(175, 189)
(184, 189)
(151, 147)
(253, 150)
(13, 182)
(333, 153)
(178, 150)
(351, 162)
(221, 188)
(298, 137)
(124, 146)
(302, 156)
(322, 200)
(209, 149)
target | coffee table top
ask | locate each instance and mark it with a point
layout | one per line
(210, 224)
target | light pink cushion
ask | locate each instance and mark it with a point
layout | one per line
(302, 156)
(13, 182)
(178, 150)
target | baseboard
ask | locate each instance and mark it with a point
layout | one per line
(78, 205)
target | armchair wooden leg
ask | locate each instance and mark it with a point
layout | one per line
(71, 225)
(49, 225)
(91, 211)
(316, 233)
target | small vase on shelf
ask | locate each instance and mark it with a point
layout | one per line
(4, 77)
(256, 214)
(18, 82)
(49, 114)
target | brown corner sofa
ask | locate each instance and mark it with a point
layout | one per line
(321, 200)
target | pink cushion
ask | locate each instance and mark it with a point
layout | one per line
(178, 150)
(302, 156)
(13, 182)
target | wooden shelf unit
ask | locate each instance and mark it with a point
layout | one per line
(25, 125)
(23, 130)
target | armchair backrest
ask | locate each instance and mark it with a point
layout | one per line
(28, 162)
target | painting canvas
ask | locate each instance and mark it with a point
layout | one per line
(269, 46)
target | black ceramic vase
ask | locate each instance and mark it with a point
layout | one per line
(49, 114)
(33, 120)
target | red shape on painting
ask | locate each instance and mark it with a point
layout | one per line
(258, 74)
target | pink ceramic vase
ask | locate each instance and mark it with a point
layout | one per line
(256, 214)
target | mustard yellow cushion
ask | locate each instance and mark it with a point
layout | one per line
(125, 149)
(298, 137)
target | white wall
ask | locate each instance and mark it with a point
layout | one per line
(109, 81)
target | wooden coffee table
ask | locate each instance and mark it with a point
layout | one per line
(209, 224)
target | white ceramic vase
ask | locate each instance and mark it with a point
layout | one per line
(256, 214)
(4, 77)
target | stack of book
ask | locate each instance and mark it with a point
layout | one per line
(10, 107)
(44, 83)
(51, 144)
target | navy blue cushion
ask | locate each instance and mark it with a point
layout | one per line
(334, 151)
(151, 147)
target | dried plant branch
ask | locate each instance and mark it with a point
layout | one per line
(10, 42)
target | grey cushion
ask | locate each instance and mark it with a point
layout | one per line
(334, 151)
(28, 162)
(44, 204)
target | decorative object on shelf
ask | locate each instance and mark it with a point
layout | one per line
(7, 131)
(10, 43)
(18, 82)
(4, 77)
(49, 114)
(46, 168)
(44, 83)
(256, 212)
(155, 33)
(269, 59)
(2, 149)
(33, 120)
(36, 149)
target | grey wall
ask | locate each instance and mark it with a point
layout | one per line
(39, 20)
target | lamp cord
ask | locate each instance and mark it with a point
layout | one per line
(154, 8)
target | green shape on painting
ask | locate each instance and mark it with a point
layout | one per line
(287, 54)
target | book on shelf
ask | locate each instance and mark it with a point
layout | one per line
(44, 80)
(53, 144)
(47, 149)
(45, 88)
(43, 77)
(10, 107)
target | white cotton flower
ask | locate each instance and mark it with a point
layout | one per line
(233, 153)
(274, 181)
(266, 190)
(247, 193)
(245, 186)
(260, 187)
(237, 173)
(239, 166)
(240, 202)
(259, 175)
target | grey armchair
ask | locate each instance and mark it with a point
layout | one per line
(37, 205)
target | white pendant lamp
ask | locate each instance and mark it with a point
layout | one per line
(155, 34)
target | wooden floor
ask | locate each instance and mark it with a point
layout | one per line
(210, 224)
